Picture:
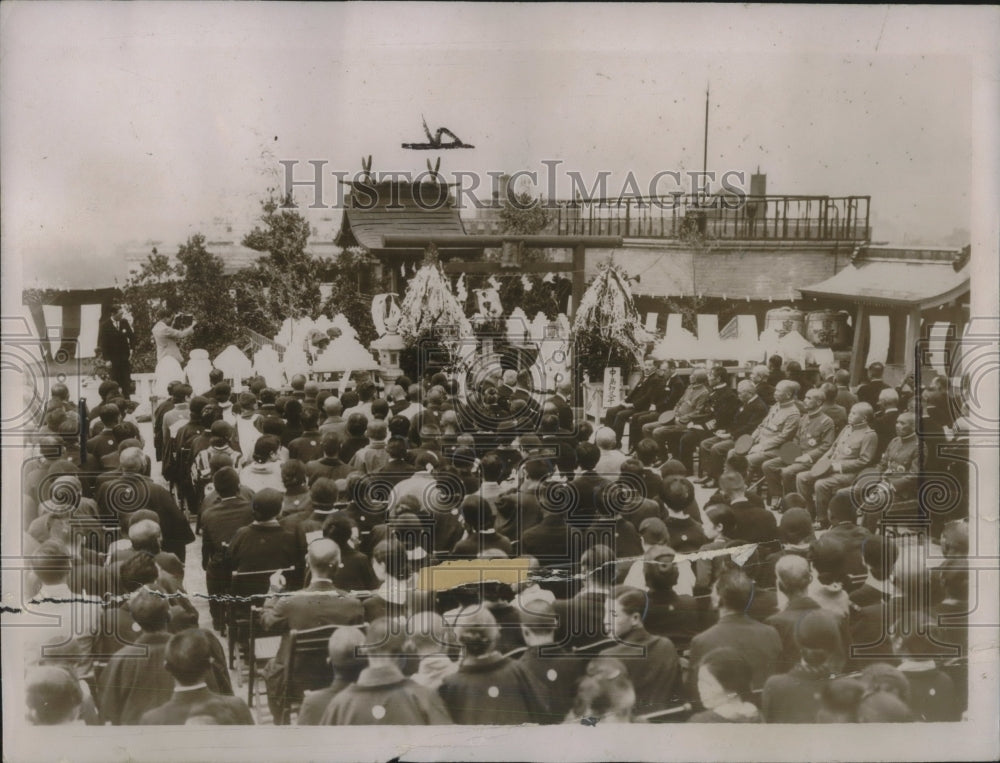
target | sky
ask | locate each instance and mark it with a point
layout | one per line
(143, 122)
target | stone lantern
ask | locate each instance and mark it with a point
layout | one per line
(388, 347)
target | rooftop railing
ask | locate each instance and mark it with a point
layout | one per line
(722, 217)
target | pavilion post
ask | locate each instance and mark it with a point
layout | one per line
(912, 337)
(579, 280)
(860, 340)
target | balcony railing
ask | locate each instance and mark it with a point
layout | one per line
(732, 218)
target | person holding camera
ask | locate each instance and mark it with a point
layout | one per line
(168, 353)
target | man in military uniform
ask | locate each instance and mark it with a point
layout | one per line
(696, 401)
(853, 450)
(815, 435)
(777, 428)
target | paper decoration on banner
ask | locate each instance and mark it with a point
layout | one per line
(612, 386)
(651, 322)
(385, 313)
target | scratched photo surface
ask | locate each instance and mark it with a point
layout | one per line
(478, 378)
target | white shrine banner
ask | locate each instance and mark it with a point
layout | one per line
(613, 394)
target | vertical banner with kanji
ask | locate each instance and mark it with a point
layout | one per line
(612, 386)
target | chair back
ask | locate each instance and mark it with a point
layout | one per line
(307, 668)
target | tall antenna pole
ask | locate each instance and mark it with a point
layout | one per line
(704, 156)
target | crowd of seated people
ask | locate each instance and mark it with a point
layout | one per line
(784, 596)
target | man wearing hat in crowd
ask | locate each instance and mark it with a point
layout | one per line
(853, 450)
(346, 663)
(814, 436)
(319, 603)
(795, 696)
(489, 688)
(188, 658)
(382, 695)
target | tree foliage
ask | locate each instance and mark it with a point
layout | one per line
(525, 217)
(191, 281)
(291, 275)
(351, 277)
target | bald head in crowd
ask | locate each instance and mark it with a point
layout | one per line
(888, 398)
(699, 376)
(144, 534)
(605, 438)
(785, 391)
(332, 406)
(793, 575)
(860, 413)
(132, 460)
(323, 558)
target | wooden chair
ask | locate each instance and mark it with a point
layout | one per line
(262, 646)
(246, 589)
(307, 668)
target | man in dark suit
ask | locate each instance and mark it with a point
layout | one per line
(320, 603)
(765, 390)
(120, 497)
(845, 398)
(723, 405)
(116, 340)
(188, 659)
(219, 523)
(753, 523)
(563, 401)
(581, 619)
(884, 421)
(548, 541)
(793, 575)
(757, 642)
(639, 398)
(713, 451)
(651, 661)
(135, 679)
(869, 391)
(879, 554)
(264, 544)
